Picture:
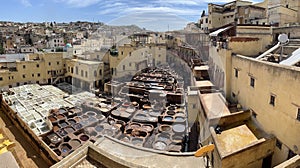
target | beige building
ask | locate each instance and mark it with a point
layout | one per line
(284, 12)
(52, 68)
(130, 58)
(86, 74)
(36, 68)
(262, 87)
(220, 15)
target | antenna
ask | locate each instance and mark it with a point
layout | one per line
(283, 39)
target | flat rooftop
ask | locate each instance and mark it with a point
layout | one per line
(204, 83)
(214, 105)
(87, 62)
(201, 68)
(234, 139)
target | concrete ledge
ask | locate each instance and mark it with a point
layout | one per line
(291, 163)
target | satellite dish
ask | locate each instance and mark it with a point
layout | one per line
(204, 150)
(283, 38)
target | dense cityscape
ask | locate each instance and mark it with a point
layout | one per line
(220, 92)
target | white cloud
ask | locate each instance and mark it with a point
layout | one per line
(26, 3)
(176, 11)
(79, 3)
(178, 2)
(156, 21)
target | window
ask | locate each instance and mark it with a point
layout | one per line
(272, 100)
(122, 53)
(37, 65)
(24, 66)
(72, 70)
(82, 73)
(49, 63)
(57, 62)
(236, 73)
(64, 65)
(32, 75)
(12, 77)
(95, 73)
(100, 72)
(24, 76)
(76, 69)
(233, 94)
(1, 78)
(252, 81)
(159, 55)
(194, 106)
(39, 74)
(129, 53)
(86, 74)
(130, 64)
(123, 67)
(278, 144)
(8, 77)
(298, 114)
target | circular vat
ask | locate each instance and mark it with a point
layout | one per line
(147, 127)
(178, 128)
(62, 132)
(75, 143)
(71, 121)
(84, 116)
(91, 113)
(77, 126)
(126, 104)
(179, 119)
(100, 117)
(125, 139)
(116, 112)
(140, 117)
(65, 149)
(99, 128)
(63, 123)
(107, 132)
(163, 137)
(159, 145)
(137, 141)
(135, 125)
(84, 137)
(165, 128)
(62, 110)
(52, 118)
(170, 112)
(60, 116)
(177, 138)
(168, 118)
(69, 129)
(138, 133)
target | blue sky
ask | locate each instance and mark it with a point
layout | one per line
(151, 14)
